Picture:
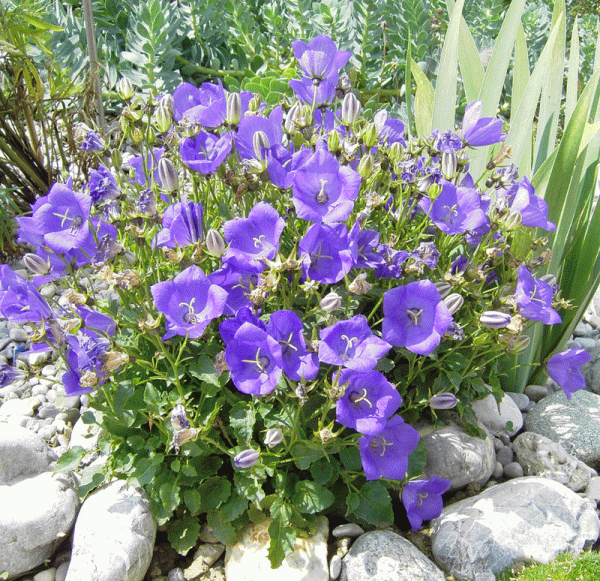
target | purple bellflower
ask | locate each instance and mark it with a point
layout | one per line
(351, 344)
(59, 220)
(326, 252)
(250, 124)
(533, 209)
(455, 210)
(137, 164)
(443, 401)
(388, 129)
(478, 130)
(182, 225)
(206, 105)
(564, 369)
(323, 190)
(20, 301)
(92, 142)
(103, 185)
(415, 317)
(246, 459)
(385, 454)
(422, 499)
(298, 363)
(9, 375)
(189, 302)
(238, 279)
(369, 400)
(254, 359)
(85, 355)
(256, 237)
(229, 326)
(534, 297)
(205, 152)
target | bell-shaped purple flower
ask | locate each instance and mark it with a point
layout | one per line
(250, 124)
(229, 326)
(20, 301)
(182, 225)
(323, 190)
(422, 499)
(389, 130)
(385, 454)
(351, 344)
(103, 185)
(238, 279)
(59, 220)
(478, 130)
(533, 209)
(369, 400)
(189, 302)
(534, 297)
(298, 363)
(9, 375)
(93, 142)
(326, 252)
(254, 359)
(205, 152)
(151, 164)
(256, 237)
(415, 317)
(455, 210)
(564, 369)
(206, 105)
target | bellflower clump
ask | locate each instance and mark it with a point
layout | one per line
(287, 287)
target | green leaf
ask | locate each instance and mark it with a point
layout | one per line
(375, 505)
(325, 470)
(242, 418)
(234, 507)
(214, 492)
(223, 530)
(193, 501)
(350, 457)
(417, 460)
(152, 397)
(282, 541)
(305, 453)
(70, 459)
(183, 533)
(169, 494)
(424, 96)
(311, 497)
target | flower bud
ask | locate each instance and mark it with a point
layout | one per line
(331, 302)
(234, 109)
(137, 136)
(246, 459)
(350, 109)
(116, 158)
(513, 220)
(215, 245)
(254, 103)
(168, 174)
(260, 141)
(549, 278)
(369, 135)
(449, 164)
(444, 288)
(454, 302)
(360, 286)
(333, 141)
(273, 437)
(162, 119)
(366, 166)
(396, 151)
(36, 264)
(494, 319)
(292, 118)
(168, 103)
(125, 88)
(443, 401)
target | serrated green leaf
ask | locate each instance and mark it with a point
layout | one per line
(350, 457)
(311, 497)
(325, 470)
(375, 505)
(234, 507)
(223, 530)
(282, 542)
(70, 459)
(183, 533)
(305, 453)
(214, 492)
(192, 500)
(242, 418)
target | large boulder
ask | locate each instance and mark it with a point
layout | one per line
(521, 521)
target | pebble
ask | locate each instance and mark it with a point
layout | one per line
(347, 530)
(513, 470)
(61, 572)
(505, 455)
(47, 575)
(176, 575)
(335, 566)
(536, 392)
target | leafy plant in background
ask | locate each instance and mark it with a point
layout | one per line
(284, 280)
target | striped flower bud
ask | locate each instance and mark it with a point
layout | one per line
(369, 135)
(449, 164)
(454, 302)
(162, 119)
(260, 141)
(168, 174)
(292, 117)
(215, 244)
(273, 437)
(443, 401)
(513, 220)
(366, 166)
(333, 141)
(125, 88)
(494, 319)
(234, 109)
(331, 302)
(246, 459)
(443, 288)
(36, 264)
(350, 109)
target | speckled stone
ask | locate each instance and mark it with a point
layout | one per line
(574, 423)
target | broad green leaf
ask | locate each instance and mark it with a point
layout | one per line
(223, 530)
(305, 453)
(311, 497)
(242, 417)
(70, 460)
(325, 470)
(192, 500)
(183, 533)
(424, 96)
(444, 100)
(214, 492)
(375, 505)
(234, 507)
(282, 541)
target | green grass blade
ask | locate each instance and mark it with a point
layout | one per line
(573, 76)
(408, 88)
(521, 75)
(423, 101)
(444, 102)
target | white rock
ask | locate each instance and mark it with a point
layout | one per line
(85, 435)
(37, 513)
(20, 407)
(114, 535)
(61, 572)
(47, 575)
(23, 454)
(495, 418)
(335, 566)
(248, 558)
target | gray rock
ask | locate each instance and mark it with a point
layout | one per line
(520, 399)
(540, 456)
(503, 418)
(37, 513)
(455, 455)
(176, 575)
(61, 572)
(498, 471)
(536, 392)
(385, 555)
(592, 490)
(23, 454)
(114, 535)
(335, 566)
(20, 407)
(248, 558)
(513, 470)
(517, 522)
(347, 530)
(85, 435)
(505, 455)
(47, 575)
(574, 423)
